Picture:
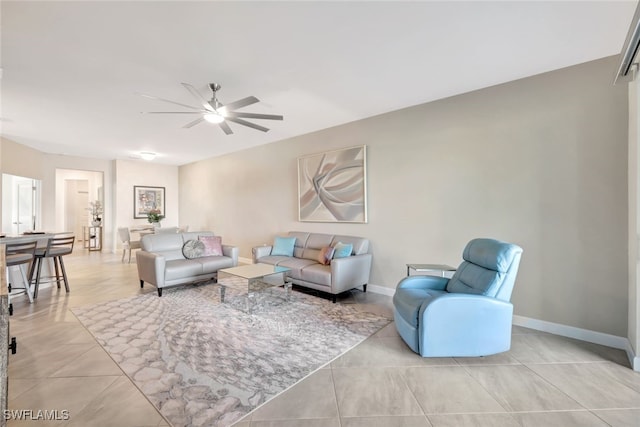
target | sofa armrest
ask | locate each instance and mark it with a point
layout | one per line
(151, 267)
(424, 282)
(232, 252)
(350, 272)
(258, 252)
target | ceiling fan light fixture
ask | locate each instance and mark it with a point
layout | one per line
(214, 118)
(147, 155)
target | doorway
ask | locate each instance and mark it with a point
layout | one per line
(21, 204)
(75, 190)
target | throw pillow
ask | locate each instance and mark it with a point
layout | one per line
(283, 246)
(342, 250)
(325, 255)
(192, 249)
(212, 245)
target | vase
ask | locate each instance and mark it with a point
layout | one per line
(156, 225)
(96, 223)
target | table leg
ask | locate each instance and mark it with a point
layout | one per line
(287, 290)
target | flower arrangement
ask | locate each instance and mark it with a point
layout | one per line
(96, 210)
(154, 216)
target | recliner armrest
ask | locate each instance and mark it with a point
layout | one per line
(436, 283)
(258, 252)
(465, 324)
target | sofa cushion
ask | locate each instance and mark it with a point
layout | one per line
(325, 255)
(342, 250)
(162, 242)
(273, 260)
(315, 243)
(296, 265)
(180, 268)
(283, 246)
(301, 242)
(211, 264)
(317, 273)
(212, 245)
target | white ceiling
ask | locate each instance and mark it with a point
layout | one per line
(71, 70)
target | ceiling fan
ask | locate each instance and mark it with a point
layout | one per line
(213, 111)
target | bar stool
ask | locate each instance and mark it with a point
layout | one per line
(20, 255)
(56, 248)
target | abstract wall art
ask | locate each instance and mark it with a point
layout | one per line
(332, 186)
(146, 199)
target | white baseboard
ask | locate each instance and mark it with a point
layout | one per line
(383, 290)
(595, 337)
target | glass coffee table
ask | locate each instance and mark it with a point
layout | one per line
(253, 279)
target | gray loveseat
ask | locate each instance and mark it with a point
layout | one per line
(341, 275)
(162, 263)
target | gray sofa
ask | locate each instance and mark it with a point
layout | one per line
(341, 275)
(161, 262)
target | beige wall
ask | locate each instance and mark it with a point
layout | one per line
(541, 162)
(130, 173)
(21, 160)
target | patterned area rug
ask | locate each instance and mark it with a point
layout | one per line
(206, 363)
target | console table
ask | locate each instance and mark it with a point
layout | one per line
(92, 237)
(429, 268)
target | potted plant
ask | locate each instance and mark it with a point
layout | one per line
(96, 212)
(154, 217)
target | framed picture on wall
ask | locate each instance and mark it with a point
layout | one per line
(147, 198)
(332, 186)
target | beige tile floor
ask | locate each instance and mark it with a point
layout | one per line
(545, 380)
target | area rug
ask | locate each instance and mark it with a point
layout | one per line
(206, 363)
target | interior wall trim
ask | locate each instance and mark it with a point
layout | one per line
(587, 335)
(383, 290)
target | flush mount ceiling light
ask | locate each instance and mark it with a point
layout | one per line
(147, 155)
(213, 111)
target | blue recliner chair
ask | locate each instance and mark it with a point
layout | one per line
(467, 315)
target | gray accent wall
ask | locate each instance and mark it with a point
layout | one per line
(541, 162)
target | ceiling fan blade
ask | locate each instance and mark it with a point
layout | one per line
(193, 123)
(241, 103)
(171, 102)
(253, 115)
(246, 123)
(174, 112)
(225, 127)
(198, 96)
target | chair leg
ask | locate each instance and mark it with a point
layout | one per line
(123, 252)
(56, 261)
(27, 284)
(129, 256)
(64, 274)
(37, 284)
